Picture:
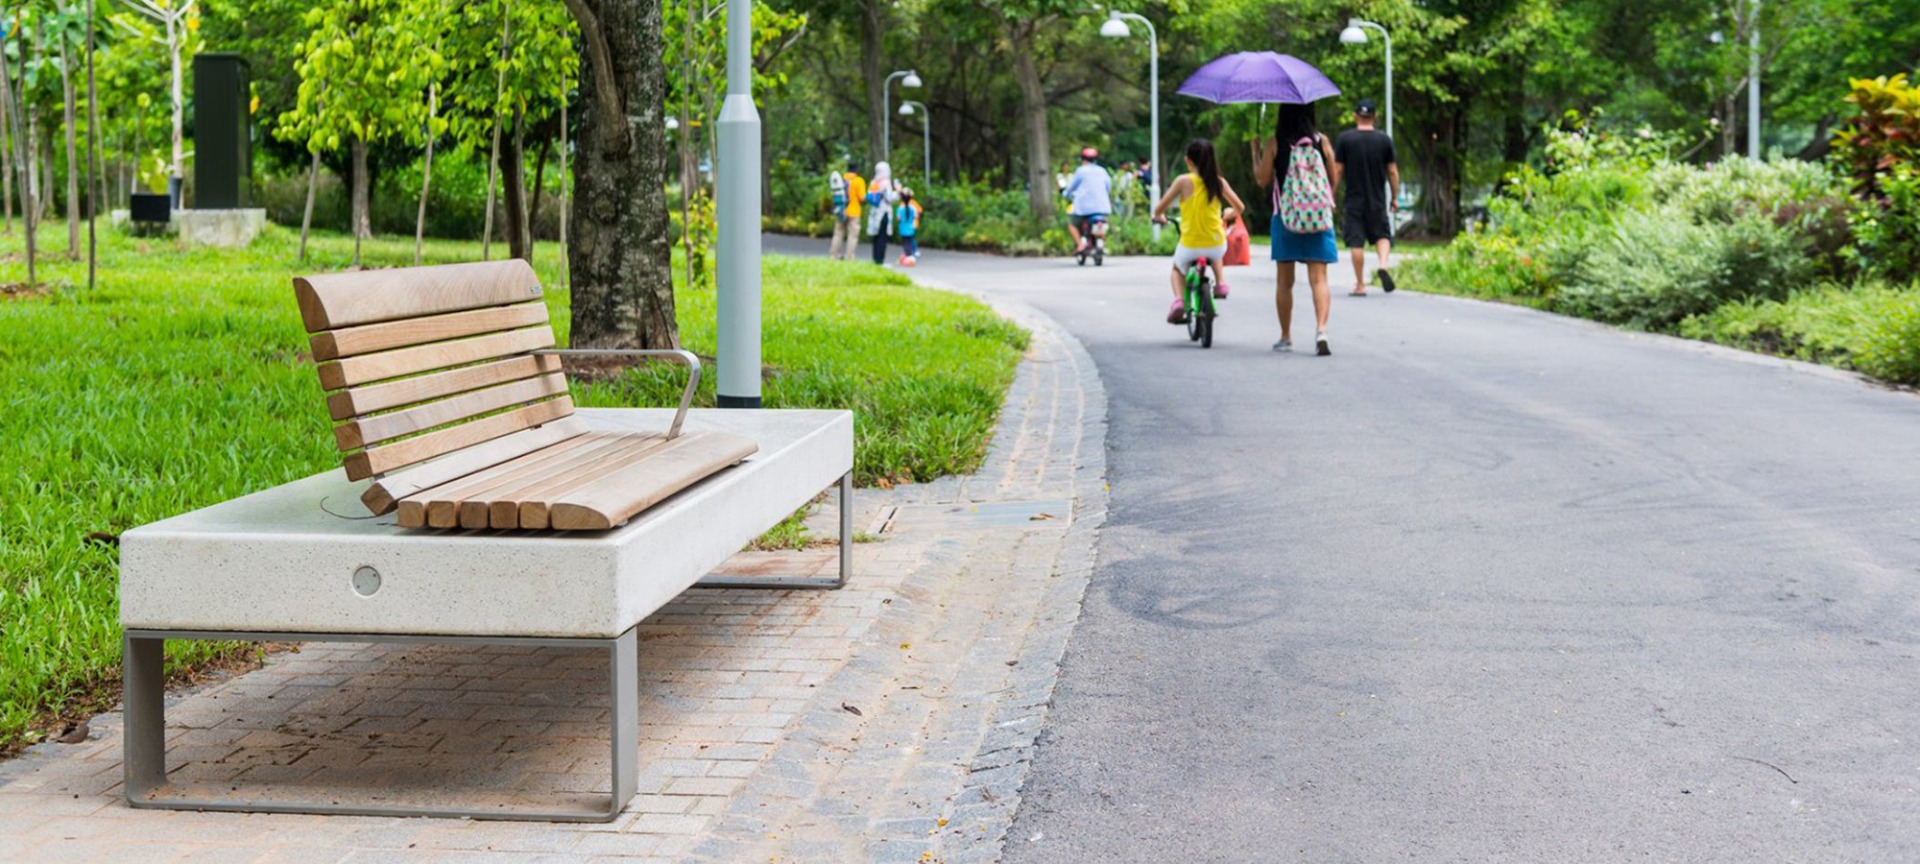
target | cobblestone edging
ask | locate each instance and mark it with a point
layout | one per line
(981, 625)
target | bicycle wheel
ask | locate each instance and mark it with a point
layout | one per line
(1193, 312)
(1205, 314)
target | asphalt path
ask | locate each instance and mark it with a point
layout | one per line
(1485, 585)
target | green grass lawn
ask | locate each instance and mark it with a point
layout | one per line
(181, 381)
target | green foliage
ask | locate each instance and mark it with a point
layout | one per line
(364, 71)
(1885, 134)
(1619, 233)
(1872, 327)
(1887, 227)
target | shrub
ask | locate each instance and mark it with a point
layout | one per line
(1651, 271)
(1885, 133)
(1891, 349)
(1871, 327)
(1887, 228)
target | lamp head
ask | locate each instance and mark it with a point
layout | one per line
(912, 79)
(906, 108)
(1115, 28)
(672, 123)
(1353, 35)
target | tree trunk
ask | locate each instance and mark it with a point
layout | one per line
(426, 175)
(493, 159)
(873, 22)
(362, 225)
(1033, 110)
(621, 267)
(7, 136)
(306, 220)
(1440, 171)
(21, 163)
(563, 176)
(513, 179)
(533, 198)
(71, 116)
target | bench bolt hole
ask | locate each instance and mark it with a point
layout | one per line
(366, 581)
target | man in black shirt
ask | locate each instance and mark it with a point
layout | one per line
(1364, 157)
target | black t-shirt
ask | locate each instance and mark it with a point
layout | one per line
(1364, 155)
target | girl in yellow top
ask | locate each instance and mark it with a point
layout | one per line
(1201, 233)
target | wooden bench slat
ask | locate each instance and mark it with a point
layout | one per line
(368, 338)
(366, 368)
(356, 401)
(416, 510)
(385, 427)
(613, 497)
(413, 508)
(383, 495)
(495, 508)
(335, 300)
(387, 457)
(501, 505)
(531, 497)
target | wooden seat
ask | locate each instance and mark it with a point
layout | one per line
(450, 396)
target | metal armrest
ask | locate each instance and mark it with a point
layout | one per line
(688, 357)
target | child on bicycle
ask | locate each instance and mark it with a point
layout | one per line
(1200, 192)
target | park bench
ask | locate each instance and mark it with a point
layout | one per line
(475, 504)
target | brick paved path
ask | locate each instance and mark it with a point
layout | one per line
(888, 721)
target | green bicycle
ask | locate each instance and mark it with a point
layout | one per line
(1198, 298)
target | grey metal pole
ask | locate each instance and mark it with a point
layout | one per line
(1753, 83)
(1153, 85)
(736, 183)
(1384, 36)
(926, 139)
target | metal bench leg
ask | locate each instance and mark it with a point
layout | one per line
(781, 583)
(143, 686)
(625, 653)
(145, 760)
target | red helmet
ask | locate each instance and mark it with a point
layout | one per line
(1089, 154)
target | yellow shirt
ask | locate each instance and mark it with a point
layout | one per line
(1200, 226)
(856, 194)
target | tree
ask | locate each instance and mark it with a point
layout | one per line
(182, 23)
(504, 58)
(620, 267)
(373, 62)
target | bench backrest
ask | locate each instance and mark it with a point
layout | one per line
(421, 362)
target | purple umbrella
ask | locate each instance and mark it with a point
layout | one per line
(1259, 76)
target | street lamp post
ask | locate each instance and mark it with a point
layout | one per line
(1354, 35)
(886, 108)
(926, 136)
(1116, 28)
(1753, 82)
(736, 186)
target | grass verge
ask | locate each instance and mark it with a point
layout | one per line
(182, 381)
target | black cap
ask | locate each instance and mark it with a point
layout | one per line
(1365, 108)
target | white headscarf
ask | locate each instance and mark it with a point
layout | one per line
(882, 184)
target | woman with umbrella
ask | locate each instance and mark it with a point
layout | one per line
(1273, 167)
(1267, 77)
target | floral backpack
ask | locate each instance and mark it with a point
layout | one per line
(1304, 204)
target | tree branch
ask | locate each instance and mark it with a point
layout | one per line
(606, 88)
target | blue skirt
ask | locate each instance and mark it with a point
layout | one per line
(1310, 248)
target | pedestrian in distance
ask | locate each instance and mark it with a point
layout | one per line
(1200, 193)
(1293, 164)
(1239, 243)
(881, 196)
(1363, 158)
(849, 192)
(906, 220)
